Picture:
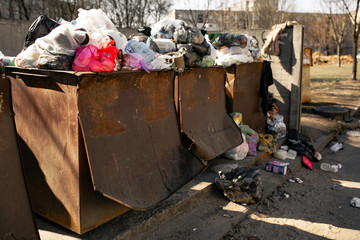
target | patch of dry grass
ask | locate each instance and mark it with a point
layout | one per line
(332, 73)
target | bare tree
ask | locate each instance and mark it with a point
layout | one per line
(356, 30)
(286, 10)
(316, 31)
(159, 8)
(124, 13)
(338, 22)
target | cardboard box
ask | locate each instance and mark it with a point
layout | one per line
(276, 167)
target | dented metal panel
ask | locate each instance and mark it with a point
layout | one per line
(203, 112)
(46, 117)
(245, 89)
(132, 137)
(16, 216)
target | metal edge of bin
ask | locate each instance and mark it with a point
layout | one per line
(204, 119)
(246, 90)
(47, 122)
(17, 218)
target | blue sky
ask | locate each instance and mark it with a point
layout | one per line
(300, 5)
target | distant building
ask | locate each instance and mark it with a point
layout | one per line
(247, 14)
(258, 14)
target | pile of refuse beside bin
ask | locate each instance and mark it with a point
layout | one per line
(91, 43)
(144, 130)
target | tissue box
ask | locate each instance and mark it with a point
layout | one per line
(276, 167)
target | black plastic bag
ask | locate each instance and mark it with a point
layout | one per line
(241, 185)
(302, 147)
(229, 40)
(42, 26)
(55, 62)
(187, 34)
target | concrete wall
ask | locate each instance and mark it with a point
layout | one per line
(287, 72)
(12, 36)
(13, 33)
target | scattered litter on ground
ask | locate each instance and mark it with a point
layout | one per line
(355, 202)
(353, 133)
(286, 195)
(298, 180)
(332, 168)
(336, 147)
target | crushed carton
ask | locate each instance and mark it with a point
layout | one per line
(276, 167)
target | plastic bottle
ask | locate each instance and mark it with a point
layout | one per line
(336, 147)
(8, 61)
(325, 166)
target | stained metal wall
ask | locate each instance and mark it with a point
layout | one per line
(16, 215)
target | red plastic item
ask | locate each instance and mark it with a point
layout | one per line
(91, 59)
(307, 162)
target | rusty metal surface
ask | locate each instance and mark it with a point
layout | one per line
(132, 137)
(245, 91)
(16, 216)
(203, 112)
(46, 118)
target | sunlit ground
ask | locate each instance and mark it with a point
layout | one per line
(319, 229)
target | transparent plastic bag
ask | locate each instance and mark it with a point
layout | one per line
(141, 48)
(165, 28)
(159, 64)
(135, 62)
(227, 60)
(63, 40)
(239, 152)
(99, 25)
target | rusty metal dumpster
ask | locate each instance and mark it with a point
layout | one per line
(16, 216)
(242, 91)
(120, 126)
(203, 116)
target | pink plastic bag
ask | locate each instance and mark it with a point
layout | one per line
(91, 59)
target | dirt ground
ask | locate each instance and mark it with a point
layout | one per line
(319, 207)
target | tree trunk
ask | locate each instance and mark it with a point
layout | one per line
(354, 70)
(338, 54)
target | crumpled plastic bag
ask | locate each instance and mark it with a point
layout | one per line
(187, 34)
(159, 64)
(92, 59)
(230, 39)
(54, 62)
(141, 48)
(165, 28)
(266, 143)
(41, 27)
(193, 53)
(239, 152)
(135, 62)
(99, 26)
(63, 40)
(140, 37)
(227, 60)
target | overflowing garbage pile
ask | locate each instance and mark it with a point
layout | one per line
(92, 43)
